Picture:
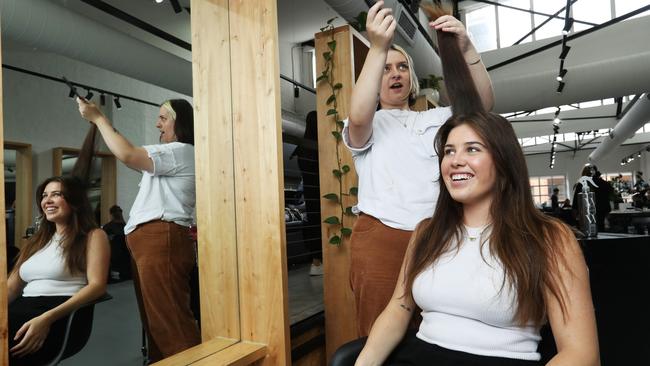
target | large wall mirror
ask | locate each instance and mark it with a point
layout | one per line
(129, 68)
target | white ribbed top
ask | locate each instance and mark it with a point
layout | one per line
(463, 308)
(46, 274)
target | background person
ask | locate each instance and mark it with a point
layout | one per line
(394, 157)
(62, 267)
(157, 230)
(120, 257)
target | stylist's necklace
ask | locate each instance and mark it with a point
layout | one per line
(402, 116)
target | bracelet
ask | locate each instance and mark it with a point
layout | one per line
(475, 62)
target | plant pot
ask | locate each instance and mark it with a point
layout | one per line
(430, 93)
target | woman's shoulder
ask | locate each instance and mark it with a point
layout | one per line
(97, 235)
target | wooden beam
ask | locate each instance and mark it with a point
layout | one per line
(259, 177)
(4, 326)
(340, 313)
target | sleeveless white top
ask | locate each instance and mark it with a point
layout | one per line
(465, 308)
(46, 274)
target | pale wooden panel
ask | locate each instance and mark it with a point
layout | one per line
(4, 328)
(57, 161)
(215, 205)
(197, 353)
(340, 313)
(240, 354)
(23, 204)
(259, 177)
(109, 184)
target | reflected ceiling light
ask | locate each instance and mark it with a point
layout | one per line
(638, 155)
(560, 76)
(116, 100)
(565, 51)
(560, 87)
(158, 1)
(568, 23)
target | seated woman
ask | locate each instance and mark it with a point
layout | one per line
(488, 269)
(64, 266)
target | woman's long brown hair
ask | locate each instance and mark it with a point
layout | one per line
(527, 243)
(81, 221)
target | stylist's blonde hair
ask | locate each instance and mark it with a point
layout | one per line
(414, 88)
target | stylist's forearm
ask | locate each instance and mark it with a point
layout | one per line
(480, 76)
(118, 144)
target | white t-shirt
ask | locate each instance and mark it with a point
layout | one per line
(168, 193)
(398, 167)
(46, 274)
(463, 310)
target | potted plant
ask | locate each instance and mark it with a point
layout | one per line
(430, 86)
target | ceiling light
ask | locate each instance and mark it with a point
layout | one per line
(565, 51)
(89, 95)
(116, 100)
(560, 76)
(72, 93)
(560, 87)
(158, 1)
(102, 99)
(568, 23)
(638, 155)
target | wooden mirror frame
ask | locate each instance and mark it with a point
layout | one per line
(24, 192)
(240, 210)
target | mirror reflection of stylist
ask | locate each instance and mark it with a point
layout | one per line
(394, 157)
(157, 233)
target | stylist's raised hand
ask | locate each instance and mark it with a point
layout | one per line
(380, 26)
(88, 110)
(448, 23)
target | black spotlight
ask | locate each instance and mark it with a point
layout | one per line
(102, 99)
(176, 6)
(72, 93)
(296, 91)
(116, 100)
(560, 87)
(560, 76)
(568, 23)
(89, 95)
(565, 51)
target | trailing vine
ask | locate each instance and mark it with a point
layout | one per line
(327, 76)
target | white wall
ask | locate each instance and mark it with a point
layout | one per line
(38, 111)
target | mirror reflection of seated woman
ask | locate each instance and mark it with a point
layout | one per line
(61, 268)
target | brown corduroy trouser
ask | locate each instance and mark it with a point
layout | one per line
(163, 256)
(376, 254)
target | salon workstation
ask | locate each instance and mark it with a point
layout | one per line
(275, 186)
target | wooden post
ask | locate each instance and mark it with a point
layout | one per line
(4, 326)
(340, 310)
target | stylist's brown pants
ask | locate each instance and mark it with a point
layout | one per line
(163, 255)
(376, 252)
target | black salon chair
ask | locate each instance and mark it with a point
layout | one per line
(77, 330)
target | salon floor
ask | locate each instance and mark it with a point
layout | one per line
(116, 338)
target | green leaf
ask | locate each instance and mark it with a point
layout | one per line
(337, 173)
(348, 211)
(336, 240)
(340, 124)
(327, 55)
(338, 86)
(346, 231)
(345, 168)
(331, 99)
(332, 197)
(337, 135)
(322, 77)
(331, 45)
(332, 220)
(354, 191)
(332, 111)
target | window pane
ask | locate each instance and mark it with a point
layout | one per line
(553, 27)
(514, 24)
(592, 11)
(481, 24)
(623, 7)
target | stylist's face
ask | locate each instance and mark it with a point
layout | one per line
(396, 82)
(165, 124)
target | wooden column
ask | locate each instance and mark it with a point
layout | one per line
(340, 311)
(24, 194)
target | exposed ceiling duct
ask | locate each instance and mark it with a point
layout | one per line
(634, 119)
(610, 62)
(425, 59)
(48, 27)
